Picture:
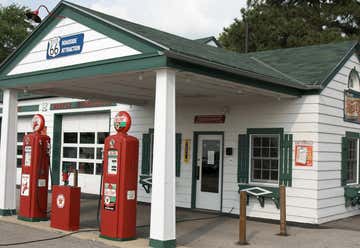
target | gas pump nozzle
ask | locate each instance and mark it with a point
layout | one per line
(66, 175)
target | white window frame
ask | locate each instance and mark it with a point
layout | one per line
(250, 179)
(79, 145)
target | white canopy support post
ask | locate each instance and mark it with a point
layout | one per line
(8, 154)
(163, 209)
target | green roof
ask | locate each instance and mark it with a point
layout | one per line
(302, 67)
(295, 69)
(206, 40)
(310, 64)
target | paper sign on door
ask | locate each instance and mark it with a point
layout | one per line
(211, 157)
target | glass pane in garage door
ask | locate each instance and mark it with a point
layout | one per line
(85, 149)
(86, 168)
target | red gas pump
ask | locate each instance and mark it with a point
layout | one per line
(119, 188)
(35, 173)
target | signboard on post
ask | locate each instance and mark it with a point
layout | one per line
(65, 46)
(304, 153)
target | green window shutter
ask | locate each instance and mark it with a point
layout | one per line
(344, 160)
(145, 160)
(178, 154)
(287, 158)
(243, 158)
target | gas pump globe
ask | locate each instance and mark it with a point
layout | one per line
(119, 188)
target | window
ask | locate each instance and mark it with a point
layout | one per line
(20, 138)
(84, 151)
(87, 138)
(354, 80)
(70, 138)
(352, 162)
(147, 153)
(265, 158)
(350, 159)
(261, 154)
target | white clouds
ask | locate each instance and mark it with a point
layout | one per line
(189, 18)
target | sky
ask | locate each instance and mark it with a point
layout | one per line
(188, 18)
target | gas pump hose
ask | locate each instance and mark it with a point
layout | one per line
(94, 230)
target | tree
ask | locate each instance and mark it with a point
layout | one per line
(13, 28)
(291, 23)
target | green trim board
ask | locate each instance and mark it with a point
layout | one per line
(32, 219)
(194, 165)
(243, 159)
(154, 243)
(27, 108)
(124, 64)
(178, 145)
(56, 151)
(116, 239)
(7, 212)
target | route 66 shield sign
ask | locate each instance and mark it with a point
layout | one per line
(54, 47)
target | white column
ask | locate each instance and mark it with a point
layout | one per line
(8, 154)
(163, 218)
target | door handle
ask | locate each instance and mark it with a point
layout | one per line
(197, 172)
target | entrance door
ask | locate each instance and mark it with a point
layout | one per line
(209, 172)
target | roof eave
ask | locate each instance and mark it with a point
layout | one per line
(210, 64)
(338, 66)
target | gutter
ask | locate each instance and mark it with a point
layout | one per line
(240, 72)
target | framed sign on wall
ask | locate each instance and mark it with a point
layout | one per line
(304, 153)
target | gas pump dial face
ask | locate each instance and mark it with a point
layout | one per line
(122, 122)
(38, 123)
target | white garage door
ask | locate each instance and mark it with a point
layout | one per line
(82, 147)
(24, 127)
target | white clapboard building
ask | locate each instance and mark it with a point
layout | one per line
(210, 122)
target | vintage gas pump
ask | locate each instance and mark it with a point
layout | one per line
(119, 188)
(35, 173)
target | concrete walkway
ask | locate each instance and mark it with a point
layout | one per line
(194, 229)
